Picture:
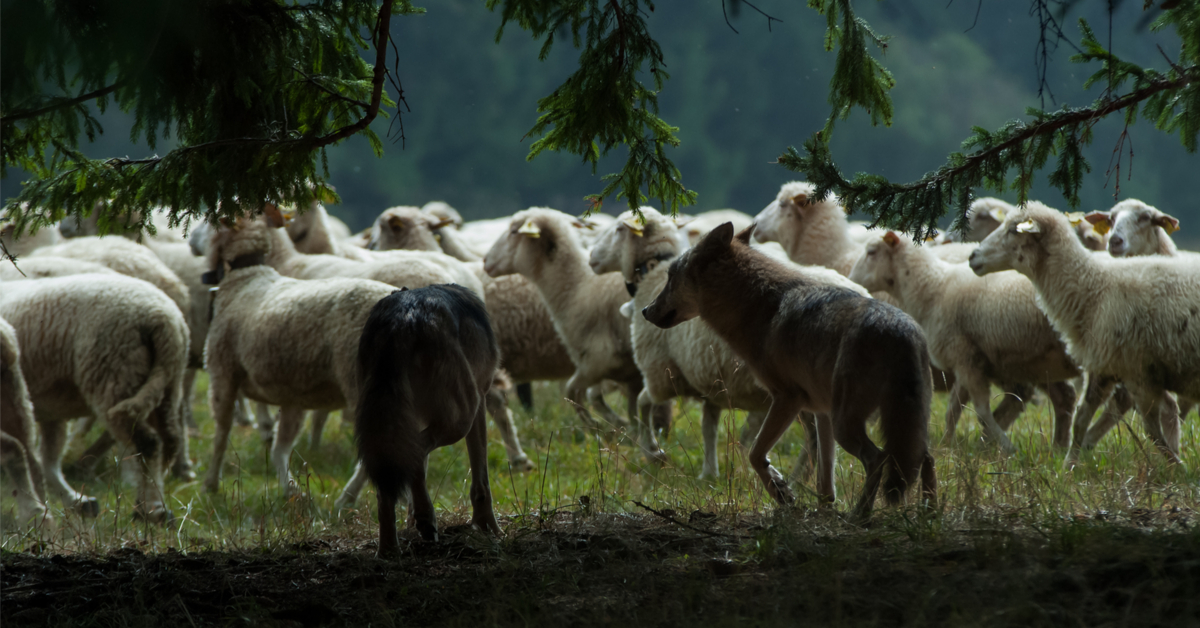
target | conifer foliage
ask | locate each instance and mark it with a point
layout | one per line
(252, 90)
(1007, 158)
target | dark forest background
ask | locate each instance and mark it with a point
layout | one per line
(739, 99)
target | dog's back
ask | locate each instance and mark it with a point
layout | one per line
(425, 360)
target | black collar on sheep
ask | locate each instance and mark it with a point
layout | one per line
(639, 271)
(214, 277)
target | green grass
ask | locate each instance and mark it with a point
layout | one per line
(1124, 479)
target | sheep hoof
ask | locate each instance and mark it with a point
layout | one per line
(709, 474)
(88, 506)
(157, 514)
(184, 472)
(522, 464)
(487, 525)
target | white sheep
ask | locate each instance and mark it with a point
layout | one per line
(1135, 228)
(281, 341)
(694, 227)
(28, 241)
(16, 431)
(107, 345)
(1134, 320)
(982, 330)
(543, 246)
(442, 211)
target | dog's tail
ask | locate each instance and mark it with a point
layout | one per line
(904, 421)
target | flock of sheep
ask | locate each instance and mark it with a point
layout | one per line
(1097, 310)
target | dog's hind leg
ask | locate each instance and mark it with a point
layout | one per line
(482, 516)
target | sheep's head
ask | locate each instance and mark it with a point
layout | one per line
(789, 215)
(629, 242)
(680, 298)
(306, 228)
(533, 239)
(1134, 228)
(1021, 242)
(876, 269)
(243, 240)
(985, 216)
(406, 228)
(443, 212)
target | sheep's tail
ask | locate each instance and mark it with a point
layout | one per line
(904, 422)
(168, 345)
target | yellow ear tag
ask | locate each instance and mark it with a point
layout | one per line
(1169, 226)
(288, 215)
(1028, 226)
(997, 214)
(634, 227)
(1075, 218)
(1102, 227)
(530, 229)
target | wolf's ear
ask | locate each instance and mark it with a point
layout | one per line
(743, 236)
(721, 237)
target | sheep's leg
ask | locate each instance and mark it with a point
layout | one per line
(595, 398)
(1114, 410)
(754, 421)
(86, 464)
(266, 423)
(662, 416)
(710, 421)
(221, 397)
(954, 408)
(147, 445)
(1160, 415)
(525, 395)
(1062, 399)
(353, 488)
(779, 418)
(241, 413)
(482, 515)
(54, 437)
(980, 392)
(178, 449)
(189, 389)
(291, 419)
(18, 463)
(497, 406)
(1013, 404)
(645, 430)
(577, 389)
(825, 456)
(317, 427)
(1096, 390)
(809, 454)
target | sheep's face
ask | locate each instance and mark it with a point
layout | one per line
(304, 224)
(679, 300)
(406, 228)
(876, 269)
(985, 216)
(612, 244)
(769, 223)
(1134, 228)
(1016, 245)
(529, 244)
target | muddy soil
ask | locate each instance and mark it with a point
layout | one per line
(634, 570)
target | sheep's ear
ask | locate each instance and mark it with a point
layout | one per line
(530, 229)
(1075, 218)
(997, 214)
(395, 222)
(325, 193)
(743, 236)
(445, 222)
(891, 239)
(1101, 222)
(1168, 223)
(1028, 226)
(274, 217)
(800, 199)
(682, 221)
(635, 227)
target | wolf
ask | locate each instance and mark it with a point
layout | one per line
(814, 347)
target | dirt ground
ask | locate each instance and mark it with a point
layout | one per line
(660, 569)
